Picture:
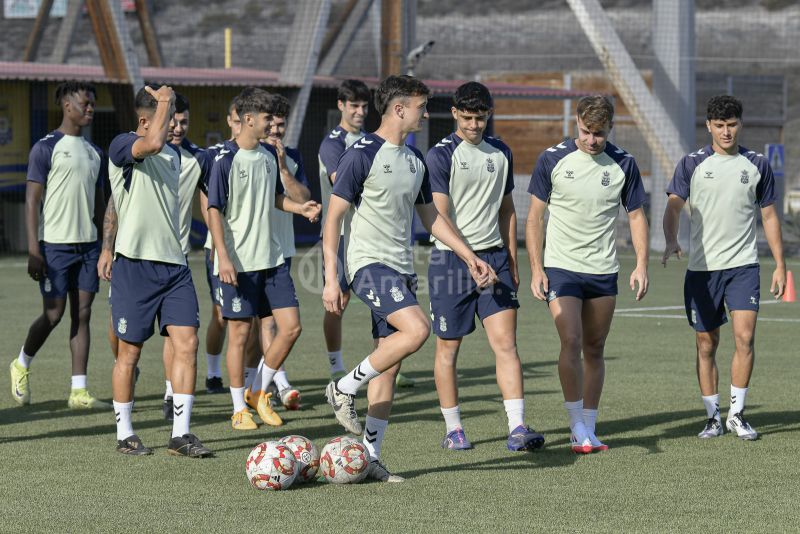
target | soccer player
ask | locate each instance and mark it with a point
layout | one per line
(151, 279)
(244, 189)
(195, 167)
(472, 177)
(64, 203)
(379, 182)
(725, 184)
(583, 182)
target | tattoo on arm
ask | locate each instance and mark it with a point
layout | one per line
(110, 226)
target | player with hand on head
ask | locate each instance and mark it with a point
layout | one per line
(472, 177)
(725, 185)
(583, 182)
(151, 279)
(379, 181)
(244, 189)
(64, 202)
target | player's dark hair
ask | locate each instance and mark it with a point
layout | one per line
(253, 100)
(398, 87)
(144, 101)
(723, 107)
(279, 106)
(181, 103)
(70, 88)
(595, 111)
(353, 91)
(233, 105)
(473, 97)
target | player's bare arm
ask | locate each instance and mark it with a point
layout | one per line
(227, 272)
(109, 238)
(157, 127)
(534, 239)
(332, 298)
(640, 235)
(508, 232)
(309, 209)
(33, 199)
(772, 231)
(672, 217)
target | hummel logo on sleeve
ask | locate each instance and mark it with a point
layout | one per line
(221, 154)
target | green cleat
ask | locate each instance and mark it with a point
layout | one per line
(20, 388)
(81, 399)
(403, 381)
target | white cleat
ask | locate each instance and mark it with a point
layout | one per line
(737, 423)
(713, 429)
(344, 407)
(378, 471)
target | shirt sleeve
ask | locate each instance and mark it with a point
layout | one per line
(329, 153)
(206, 163)
(765, 190)
(425, 195)
(541, 180)
(351, 173)
(120, 153)
(633, 195)
(679, 185)
(439, 164)
(103, 183)
(510, 178)
(218, 184)
(39, 162)
(300, 172)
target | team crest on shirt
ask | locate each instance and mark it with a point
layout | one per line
(396, 294)
(489, 165)
(745, 177)
(442, 324)
(122, 325)
(236, 304)
(387, 169)
(48, 287)
(411, 166)
(606, 179)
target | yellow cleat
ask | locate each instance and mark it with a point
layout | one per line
(251, 399)
(20, 388)
(243, 420)
(81, 399)
(265, 411)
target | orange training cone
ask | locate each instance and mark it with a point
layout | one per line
(789, 294)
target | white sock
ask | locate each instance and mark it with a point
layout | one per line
(213, 362)
(255, 380)
(515, 411)
(352, 381)
(452, 418)
(168, 391)
(374, 429)
(249, 376)
(738, 396)
(711, 402)
(590, 421)
(576, 424)
(267, 373)
(181, 412)
(335, 359)
(237, 394)
(79, 382)
(281, 380)
(25, 360)
(122, 411)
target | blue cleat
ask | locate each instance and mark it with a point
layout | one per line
(524, 438)
(456, 440)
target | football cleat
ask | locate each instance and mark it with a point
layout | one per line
(188, 445)
(456, 440)
(20, 386)
(344, 407)
(214, 385)
(712, 430)
(402, 381)
(133, 446)
(290, 398)
(378, 471)
(737, 423)
(265, 411)
(251, 398)
(524, 438)
(243, 420)
(168, 408)
(597, 445)
(81, 399)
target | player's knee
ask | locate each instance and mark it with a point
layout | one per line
(84, 314)
(593, 348)
(744, 341)
(418, 334)
(571, 344)
(53, 317)
(292, 332)
(707, 345)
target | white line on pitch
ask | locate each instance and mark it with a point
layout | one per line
(652, 316)
(667, 308)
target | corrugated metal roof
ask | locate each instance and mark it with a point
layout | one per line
(237, 77)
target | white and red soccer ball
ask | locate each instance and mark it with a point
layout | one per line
(344, 460)
(306, 457)
(271, 466)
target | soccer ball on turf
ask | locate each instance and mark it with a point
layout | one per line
(344, 461)
(271, 466)
(306, 456)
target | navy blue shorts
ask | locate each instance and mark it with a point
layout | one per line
(212, 279)
(259, 292)
(69, 267)
(705, 294)
(456, 298)
(564, 283)
(384, 291)
(143, 291)
(340, 268)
